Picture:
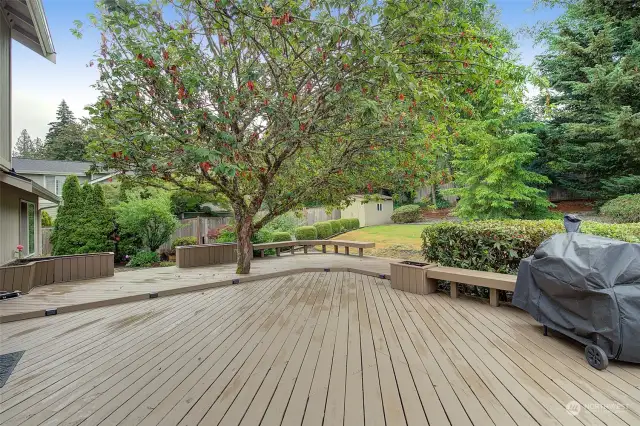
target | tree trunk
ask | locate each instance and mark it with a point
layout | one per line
(244, 232)
(433, 194)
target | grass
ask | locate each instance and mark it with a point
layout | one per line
(393, 241)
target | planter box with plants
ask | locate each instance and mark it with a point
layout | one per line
(25, 274)
(412, 277)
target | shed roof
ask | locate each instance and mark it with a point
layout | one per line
(32, 166)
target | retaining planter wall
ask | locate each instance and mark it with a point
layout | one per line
(412, 277)
(21, 276)
(205, 254)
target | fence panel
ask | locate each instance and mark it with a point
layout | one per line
(319, 214)
(45, 241)
(425, 192)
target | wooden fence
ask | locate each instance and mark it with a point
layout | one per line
(45, 242)
(425, 192)
(319, 214)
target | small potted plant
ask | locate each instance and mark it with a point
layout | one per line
(19, 249)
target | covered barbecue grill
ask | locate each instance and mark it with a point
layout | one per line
(588, 288)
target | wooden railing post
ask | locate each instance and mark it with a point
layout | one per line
(324, 248)
(346, 250)
(335, 249)
(305, 249)
(360, 252)
(277, 251)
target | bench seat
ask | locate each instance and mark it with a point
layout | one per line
(360, 245)
(493, 280)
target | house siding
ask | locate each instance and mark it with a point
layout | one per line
(10, 197)
(5, 93)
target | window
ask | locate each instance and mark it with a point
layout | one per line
(379, 207)
(57, 187)
(28, 227)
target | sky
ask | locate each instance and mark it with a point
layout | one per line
(39, 85)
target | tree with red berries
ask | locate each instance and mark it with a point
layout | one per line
(276, 104)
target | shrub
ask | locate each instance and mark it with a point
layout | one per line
(46, 221)
(150, 218)
(498, 246)
(184, 241)
(227, 235)
(345, 224)
(306, 233)
(144, 258)
(281, 236)
(214, 233)
(406, 214)
(625, 208)
(355, 223)
(336, 226)
(287, 222)
(324, 229)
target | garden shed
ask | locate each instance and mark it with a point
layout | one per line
(375, 211)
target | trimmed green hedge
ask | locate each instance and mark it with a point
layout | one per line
(184, 241)
(281, 236)
(498, 246)
(143, 258)
(345, 224)
(625, 208)
(336, 226)
(306, 233)
(406, 214)
(324, 229)
(355, 223)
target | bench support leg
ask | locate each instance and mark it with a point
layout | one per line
(454, 290)
(292, 250)
(361, 252)
(431, 286)
(277, 251)
(493, 297)
(305, 249)
(346, 251)
(261, 253)
(335, 249)
(324, 249)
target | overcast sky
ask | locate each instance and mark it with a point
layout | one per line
(39, 86)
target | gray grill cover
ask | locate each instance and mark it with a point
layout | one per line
(586, 287)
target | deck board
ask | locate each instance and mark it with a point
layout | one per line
(318, 348)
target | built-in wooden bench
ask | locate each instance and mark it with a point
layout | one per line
(305, 244)
(493, 280)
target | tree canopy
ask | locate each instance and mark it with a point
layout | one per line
(65, 139)
(592, 64)
(26, 147)
(274, 105)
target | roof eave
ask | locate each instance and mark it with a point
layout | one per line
(42, 192)
(31, 31)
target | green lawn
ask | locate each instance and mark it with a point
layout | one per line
(388, 236)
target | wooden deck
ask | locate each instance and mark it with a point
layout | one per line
(308, 349)
(137, 284)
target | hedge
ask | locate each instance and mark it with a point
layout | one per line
(345, 224)
(406, 214)
(324, 229)
(144, 258)
(306, 233)
(625, 208)
(498, 246)
(281, 236)
(336, 226)
(184, 241)
(355, 223)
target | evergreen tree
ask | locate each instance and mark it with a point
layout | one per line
(593, 66)
(83, 222)
(25, 147)
(63, 237)
(65, 139)
(492, 180)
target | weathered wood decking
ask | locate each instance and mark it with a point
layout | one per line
(316, 348)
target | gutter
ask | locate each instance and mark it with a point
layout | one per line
(42, 29)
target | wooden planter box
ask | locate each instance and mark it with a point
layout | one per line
(25, 274)
(205, 254)
(412, 277)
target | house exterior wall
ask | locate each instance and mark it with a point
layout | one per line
(368, 213)
(5, 93)
(10, 197)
